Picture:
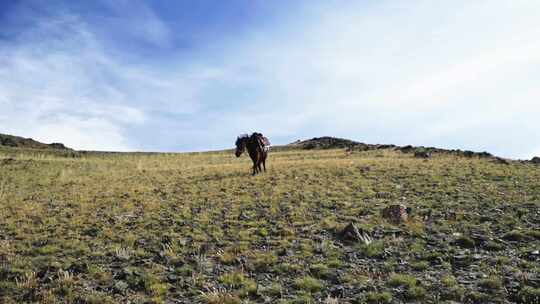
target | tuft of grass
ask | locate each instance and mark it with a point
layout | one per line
(320, 270)
(492, 283)
(375, 249)
(529, 295)
(308, 283)
(273, 290)
(378, 297)
(402, 280)
(420, 265)
(415, 293)
(448, 280)
(216, 297)
(464, 242)
(238, 280)
(263, 260)
(514, 235)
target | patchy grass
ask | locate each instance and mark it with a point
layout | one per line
(196, 227)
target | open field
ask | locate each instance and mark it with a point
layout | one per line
(197, 228)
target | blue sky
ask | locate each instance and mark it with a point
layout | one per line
(192, 75)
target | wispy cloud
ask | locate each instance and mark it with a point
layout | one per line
(56, 79)
(423, 73)
(455, 74)
(61, 82)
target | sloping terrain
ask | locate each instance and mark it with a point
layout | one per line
(327, 142)
(197, 228)
(28, 143)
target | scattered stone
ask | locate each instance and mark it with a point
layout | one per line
(121, 287)
(500, 160)
(7, 161)
(514, 235)
(533, 255)
(382, 195)
(396, 213)
(422, 154)
(406, 149)
(352, 233)
(173, 278)
(92, 232)
(464, 242)
(325, 142)
(450, 216)
(484, 154)
(468, 153)
(337, 292)
(461, 260)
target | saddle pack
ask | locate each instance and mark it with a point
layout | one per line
(263, 141)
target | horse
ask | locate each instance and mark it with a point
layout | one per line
(257, 146)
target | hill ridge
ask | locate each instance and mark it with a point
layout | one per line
(21, 142)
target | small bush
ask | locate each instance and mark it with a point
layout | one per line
(464, 242)
(415, 293)
(492, 283)
(448, 280)
(420, 266)
(308, 283)
(402, 280)
(372, 250)
(273, 290)
(378, 298)
(320, 271)
(529, 295)
(236, 280)
(220, 298)
(514, 235)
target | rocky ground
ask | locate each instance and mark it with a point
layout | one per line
(321, 226)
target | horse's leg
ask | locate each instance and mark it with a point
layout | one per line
(259, 161)
(254, 167)
(264, 161)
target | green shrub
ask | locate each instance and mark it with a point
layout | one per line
(402, 280)
(378, 298)
(308, 283)
(514, 235)
(529, 295)
(420, 266)
(415, 293)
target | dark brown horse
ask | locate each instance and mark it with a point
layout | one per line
(257, 146)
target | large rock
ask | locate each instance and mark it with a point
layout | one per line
(352, 233)
(395, 213)
(422, 154)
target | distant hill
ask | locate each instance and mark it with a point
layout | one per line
(327, 142)
(21, 142)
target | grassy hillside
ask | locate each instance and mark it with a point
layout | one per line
(197, 228)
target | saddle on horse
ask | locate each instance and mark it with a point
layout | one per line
(263, 141)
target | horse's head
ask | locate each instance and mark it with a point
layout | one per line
(240, 144)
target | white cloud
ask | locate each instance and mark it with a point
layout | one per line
(450, 74)
(60, 83)
(454, 74)
(84, 133)
(141, 22)
(53, 89)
